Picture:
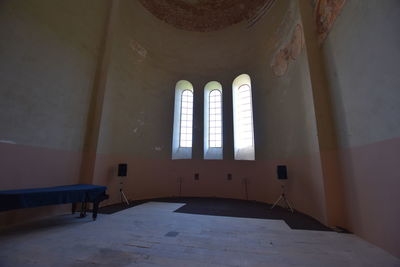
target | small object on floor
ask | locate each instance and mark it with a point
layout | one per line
(172, 234)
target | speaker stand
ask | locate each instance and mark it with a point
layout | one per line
(285, 200)
(123, 196)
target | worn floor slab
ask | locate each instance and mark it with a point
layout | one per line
(151, 234)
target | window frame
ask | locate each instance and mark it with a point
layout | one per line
(179, 152)
(212, 153)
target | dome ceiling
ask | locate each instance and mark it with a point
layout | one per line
(206, 15)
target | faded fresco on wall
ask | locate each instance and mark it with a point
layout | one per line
(139, 51)
(290, 50)
(326, 12)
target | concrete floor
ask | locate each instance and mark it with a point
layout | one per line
(151, 234)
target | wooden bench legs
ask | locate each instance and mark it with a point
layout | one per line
(84, 209)
(95, 209)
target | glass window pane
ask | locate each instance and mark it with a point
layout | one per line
(186, 119)
(244, 116)
(215, 118)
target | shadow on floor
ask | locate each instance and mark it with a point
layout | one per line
(231, 208)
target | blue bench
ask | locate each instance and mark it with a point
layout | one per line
(79, 193)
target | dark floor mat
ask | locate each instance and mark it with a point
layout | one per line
(232, 208)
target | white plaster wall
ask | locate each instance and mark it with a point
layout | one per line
(48, 56)
(362, 54)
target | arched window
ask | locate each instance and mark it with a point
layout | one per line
(183, 121)
(213, 134)
(243, 118)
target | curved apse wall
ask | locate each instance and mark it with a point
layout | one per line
(138, 110)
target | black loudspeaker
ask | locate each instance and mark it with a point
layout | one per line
(282, 172)
(122, 169)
